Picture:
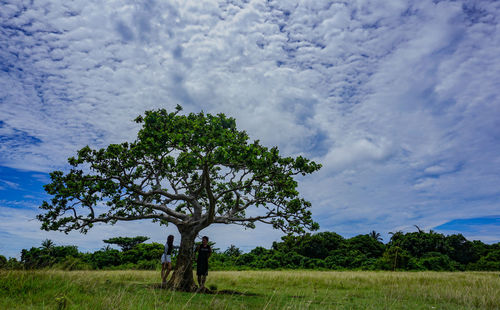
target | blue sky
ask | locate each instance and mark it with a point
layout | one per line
(399, 100)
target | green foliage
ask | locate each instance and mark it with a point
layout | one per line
(105, 258)
(147, 264)
(3, 261)
(436, 261)
(490, 262)
(13, 264)
(232, 251)
(460, 249)
(143, 252)
(394, 258)
(315, 246)
(293, 252)
(375, 235)
(10, 264)
(72, 263)
(47, 255)
(367, 245)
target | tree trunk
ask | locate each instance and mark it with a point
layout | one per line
(182, 277)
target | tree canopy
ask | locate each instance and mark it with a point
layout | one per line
(181, 169)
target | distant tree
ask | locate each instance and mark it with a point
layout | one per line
(395, 258)
(317, 245)
(460, 249)
(13, 264)
(126, 243)
(107, 247)
(3, 261)
(375, 235)
(47, 245)
(232, 251)
(143, 252)
(47, 255)
(436, 261)
(210, 243)
(105, 258)
(419, 243)
(490, 261)
(190, 171)
(63, 251)
(367, 245)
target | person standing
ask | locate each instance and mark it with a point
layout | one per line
(166, 259)
(204, 252)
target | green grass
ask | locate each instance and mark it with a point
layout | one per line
(52, 289)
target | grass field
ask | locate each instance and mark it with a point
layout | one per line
(52, 289)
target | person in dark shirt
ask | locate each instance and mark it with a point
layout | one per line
(204, 252)
(166, 259)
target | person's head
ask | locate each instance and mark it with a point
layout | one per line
(204, 240)
(170, 239)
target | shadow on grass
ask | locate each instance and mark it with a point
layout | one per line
(161, 286)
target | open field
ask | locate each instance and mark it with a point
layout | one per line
(52, 289)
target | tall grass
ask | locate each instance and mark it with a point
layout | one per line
(51, 289)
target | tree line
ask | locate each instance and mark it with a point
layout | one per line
(325, 250)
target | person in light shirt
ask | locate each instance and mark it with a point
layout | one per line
(166, 259)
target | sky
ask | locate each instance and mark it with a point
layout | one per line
(398, 100)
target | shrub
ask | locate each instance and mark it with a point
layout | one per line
(107, 258)
(3, 261)
(13, 264)
(490, 262)
(394, 258)
(147, 264)
(436, 261)
(73, 263)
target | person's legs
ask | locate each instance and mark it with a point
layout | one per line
(169, 268)
(163, 272)
(199, 281)
(203, 280)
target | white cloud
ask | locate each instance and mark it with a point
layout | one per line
(398, 99)
(9, 184)
(360, 151)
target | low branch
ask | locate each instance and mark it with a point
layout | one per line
(230, 220)
(165, 209)
(87, 222)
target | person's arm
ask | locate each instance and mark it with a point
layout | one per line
(209, 252)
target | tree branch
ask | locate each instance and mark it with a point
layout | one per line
(211, 198)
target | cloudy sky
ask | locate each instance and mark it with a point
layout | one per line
(399, 100)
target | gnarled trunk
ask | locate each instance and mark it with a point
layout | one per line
(182, 277)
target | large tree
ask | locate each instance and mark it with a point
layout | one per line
(187, 170)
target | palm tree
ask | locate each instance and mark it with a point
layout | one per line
(395, 237)
(419, 230)
(375, 235)
(47, 245)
